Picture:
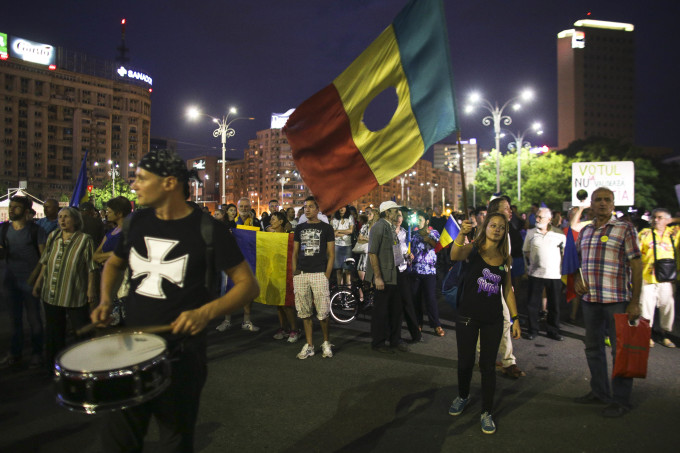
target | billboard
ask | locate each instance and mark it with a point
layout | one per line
(3, 46)
(279, 119)
(34, 52)
(619, 177)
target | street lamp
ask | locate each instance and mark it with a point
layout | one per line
(519, 144)
(224, 130)
(258, 201)
(496, 118)
(432, 190)
(113, 172)
(283, 181)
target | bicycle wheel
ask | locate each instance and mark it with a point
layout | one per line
(344, 306)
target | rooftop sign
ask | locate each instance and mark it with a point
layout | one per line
(131, 74)
(34, 52)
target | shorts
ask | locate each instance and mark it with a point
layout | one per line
(311, 290)
(342, 252)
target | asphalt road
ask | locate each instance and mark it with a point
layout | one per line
(260, 398)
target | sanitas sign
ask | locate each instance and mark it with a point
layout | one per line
(34, 52)
(123, 72)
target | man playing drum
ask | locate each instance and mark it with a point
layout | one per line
(168, 268)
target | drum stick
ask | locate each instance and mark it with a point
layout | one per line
(88, 328)
(146, 329)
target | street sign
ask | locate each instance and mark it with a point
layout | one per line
(619, 177)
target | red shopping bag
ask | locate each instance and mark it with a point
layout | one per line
(632, 347)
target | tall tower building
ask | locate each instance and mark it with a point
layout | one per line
(595, 81)
(446, 158)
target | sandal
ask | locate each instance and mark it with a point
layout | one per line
(513, 371)
(668, 343)
(439, 331)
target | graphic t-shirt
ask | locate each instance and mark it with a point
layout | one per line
(483, 283)
(168, 265)
(313, 239)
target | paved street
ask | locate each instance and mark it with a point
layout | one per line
(260, 398)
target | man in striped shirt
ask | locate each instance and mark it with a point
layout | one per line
(610, 283)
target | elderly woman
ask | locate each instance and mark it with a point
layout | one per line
(66, 283)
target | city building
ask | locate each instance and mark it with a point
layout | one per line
(270, 171)
(56, 104)
(595, 81)
(446, 158)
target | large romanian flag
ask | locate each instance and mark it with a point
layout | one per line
(269, 256)
(339, 158)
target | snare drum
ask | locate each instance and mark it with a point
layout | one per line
(112, 372)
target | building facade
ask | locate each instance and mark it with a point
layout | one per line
(55, 108)
(446, 158)
(595, 81)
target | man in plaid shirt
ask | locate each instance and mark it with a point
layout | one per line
(610, 283)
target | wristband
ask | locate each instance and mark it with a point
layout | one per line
(514, 318)
(459, 245)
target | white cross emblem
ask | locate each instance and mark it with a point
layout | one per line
(155, 268)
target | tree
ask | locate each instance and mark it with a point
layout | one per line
(101, 195)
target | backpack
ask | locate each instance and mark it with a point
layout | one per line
(206, 234)
(452, 285)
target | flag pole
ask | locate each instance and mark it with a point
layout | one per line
(462, 175)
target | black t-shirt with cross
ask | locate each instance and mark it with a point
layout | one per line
(168, 265)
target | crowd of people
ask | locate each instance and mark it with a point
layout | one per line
(72, 265)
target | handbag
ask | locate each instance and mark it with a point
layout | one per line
(632, 347)
(665, 270)
(360, 248)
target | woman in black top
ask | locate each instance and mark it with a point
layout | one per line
(480, 309)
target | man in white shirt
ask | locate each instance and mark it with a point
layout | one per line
(543, 250)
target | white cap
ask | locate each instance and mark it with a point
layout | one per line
(385, 205)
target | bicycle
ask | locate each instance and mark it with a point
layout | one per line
(346, 300)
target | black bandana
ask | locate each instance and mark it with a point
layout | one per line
(164, 163)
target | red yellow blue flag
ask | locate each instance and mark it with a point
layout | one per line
(338, 157)
(270, 257)
(449, 233)
(80, 194)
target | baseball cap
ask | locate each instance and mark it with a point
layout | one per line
(385, 205)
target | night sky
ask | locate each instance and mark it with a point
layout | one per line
(268, 56)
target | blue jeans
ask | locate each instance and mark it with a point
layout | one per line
(21, 298)
(597, 317)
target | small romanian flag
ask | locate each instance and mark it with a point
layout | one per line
(338, 157)
(269, 256)
(448, 235)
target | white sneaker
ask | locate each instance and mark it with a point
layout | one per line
(307, 351)
(224, 326)
(249, 326)
(326, 348)
(280, 334)
(293, 336)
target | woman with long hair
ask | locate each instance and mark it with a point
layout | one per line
(287, 320)
(486, 279)
(232, 212)
(343, 224)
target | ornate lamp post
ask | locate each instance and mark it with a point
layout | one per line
(496, 118)
(112, 172)
(224, 130)
(519, 144)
